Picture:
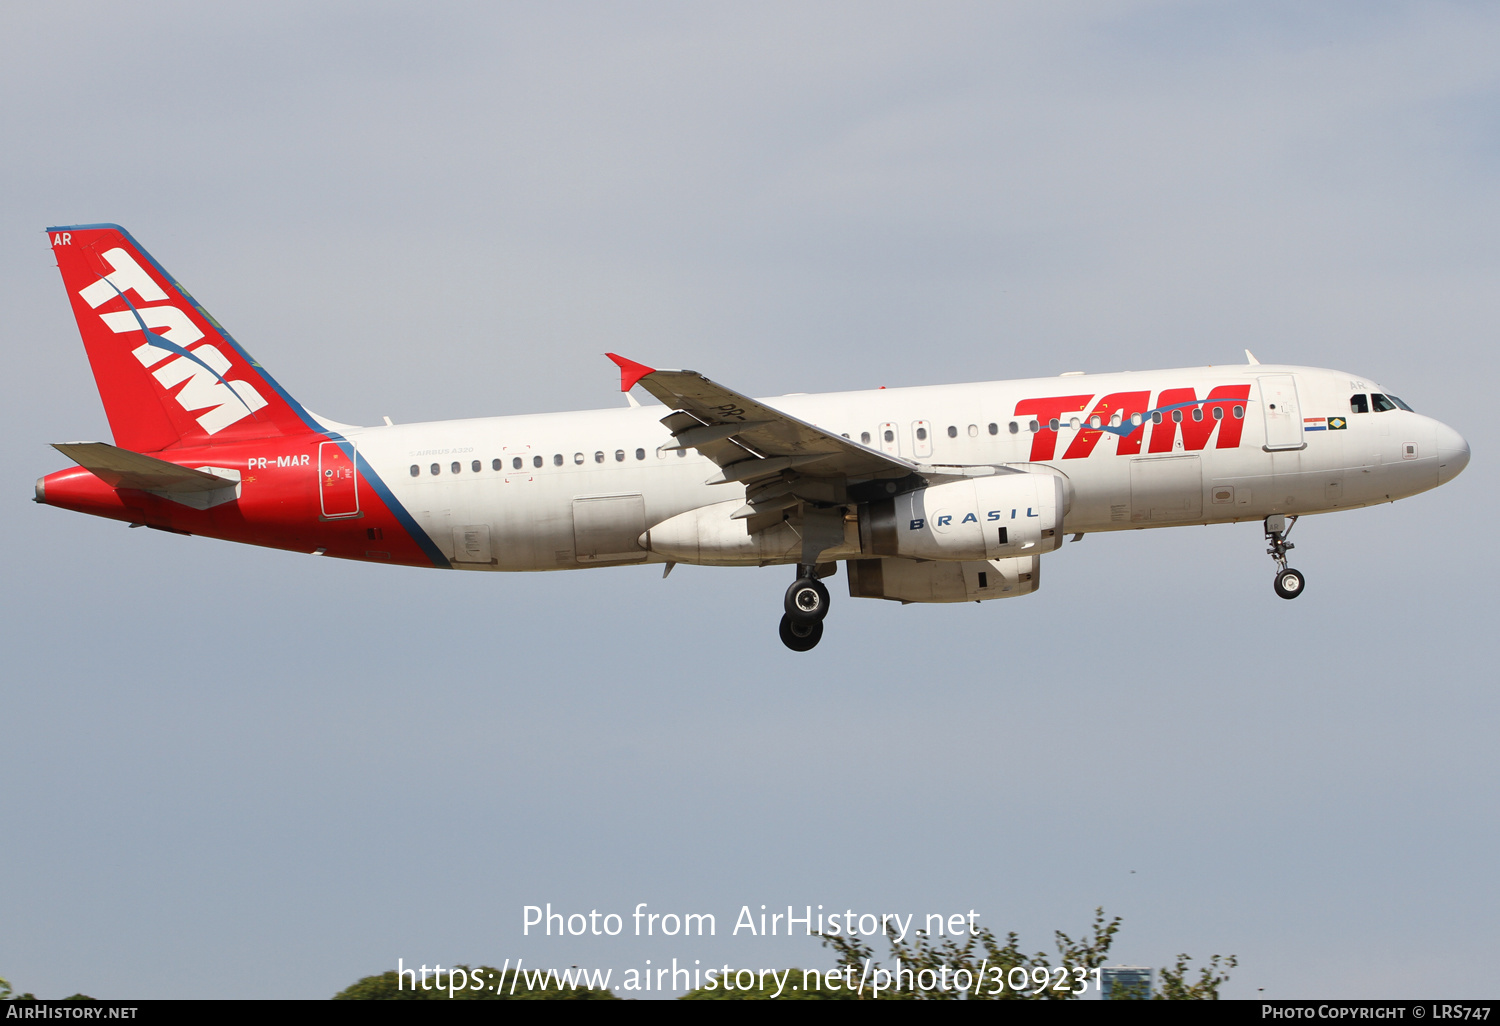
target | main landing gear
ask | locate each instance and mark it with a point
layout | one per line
(806, 606)
(1289, 583)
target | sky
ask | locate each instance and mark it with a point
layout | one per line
(231, 772)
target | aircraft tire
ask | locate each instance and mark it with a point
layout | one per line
(806, 601)
(800, 637)
(1290, 583)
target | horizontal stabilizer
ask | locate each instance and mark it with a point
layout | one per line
(121, 468)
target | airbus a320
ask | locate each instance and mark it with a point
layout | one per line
(946, 493)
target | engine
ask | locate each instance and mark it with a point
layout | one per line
(710, 537)
(976, 518)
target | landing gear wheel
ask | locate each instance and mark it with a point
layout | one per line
(1289, 583)
(800, 637)
(806, 602)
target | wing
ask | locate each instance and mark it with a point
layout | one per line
(782, 461)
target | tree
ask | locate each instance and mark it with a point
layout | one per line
(1173, 984)
(462, 983)
(794, 990)
(6, 994)
(1002, 972)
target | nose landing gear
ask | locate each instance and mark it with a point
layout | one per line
(806, 605)
(1289, 583)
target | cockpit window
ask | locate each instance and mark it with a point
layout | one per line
(1382, 404)
(1359, 404)
(1399, 403)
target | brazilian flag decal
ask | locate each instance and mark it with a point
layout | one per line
(1337, 423)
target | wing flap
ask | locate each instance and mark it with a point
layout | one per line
(733, 429)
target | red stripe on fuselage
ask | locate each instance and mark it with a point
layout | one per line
(278, 506)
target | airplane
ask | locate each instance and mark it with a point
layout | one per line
(945, 493)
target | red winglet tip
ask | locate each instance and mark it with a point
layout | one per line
(630, 371)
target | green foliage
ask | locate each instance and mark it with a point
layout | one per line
(1174, 986)
(496, 983)
(989, 962)
(1120, 990)
(6, 994)
(793, 991)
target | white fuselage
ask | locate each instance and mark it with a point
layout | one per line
(544, 481)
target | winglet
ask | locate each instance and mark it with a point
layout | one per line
(630, 371)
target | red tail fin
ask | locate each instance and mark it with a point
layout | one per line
(168, 374)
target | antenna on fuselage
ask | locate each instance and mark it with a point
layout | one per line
(1250, 359)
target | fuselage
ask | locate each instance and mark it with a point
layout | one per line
(569, 490)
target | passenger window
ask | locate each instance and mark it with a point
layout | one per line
(1015, 428)
(921, 435)
(495, 465)
(1176, 416)
(536, 461)
(890, 436)
(619, 455)
(952, 431)
(1136, 420)
(1053, 424)
(681, 453)
(516, 463)
(456, 467)
(578, 458)
(475, 466)
(436, 468)
(1218, 413)
(1239, 413)
(1156, 416)
(973, 430)
(557, 459)
(1359, 404)
(1197, 413)
(416, 471)
(864, 436)
(640, 454)
(1381, 403)
(598, 457)
(1034, 427)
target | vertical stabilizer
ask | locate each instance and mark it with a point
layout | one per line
(167, 373)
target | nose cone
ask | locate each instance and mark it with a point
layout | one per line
(1453, 453)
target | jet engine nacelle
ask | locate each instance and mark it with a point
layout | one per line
(906, 580)
(975, 518)
(708, 536)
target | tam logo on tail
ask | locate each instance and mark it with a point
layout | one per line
(203, 369)
(169, 375)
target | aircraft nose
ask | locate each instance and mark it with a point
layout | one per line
(1453, 453)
